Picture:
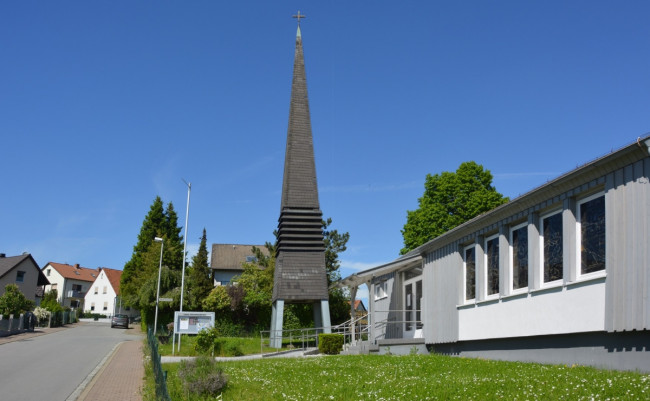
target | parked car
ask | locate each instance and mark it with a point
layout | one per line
(120, 320)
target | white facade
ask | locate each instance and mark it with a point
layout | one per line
(101, 297)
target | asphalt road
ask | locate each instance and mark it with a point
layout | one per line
(52, 366)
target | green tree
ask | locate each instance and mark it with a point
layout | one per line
(450, 199)
(13, 302)
(139, 278)
(200, 276)
(50, 301)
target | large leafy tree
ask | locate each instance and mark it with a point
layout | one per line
(13, 302)
(450, 199)
(139, 278)
(200, 277)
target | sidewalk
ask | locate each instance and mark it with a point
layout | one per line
(120, 375)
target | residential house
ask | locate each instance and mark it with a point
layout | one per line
(24, 272)
(103, 297)
(558, 275)
(227, 259)
(71, 282)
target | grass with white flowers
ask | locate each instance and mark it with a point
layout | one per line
(417, 377)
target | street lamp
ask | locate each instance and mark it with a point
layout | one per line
(187, 213)
(155, 321)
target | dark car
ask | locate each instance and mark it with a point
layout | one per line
(120, 320)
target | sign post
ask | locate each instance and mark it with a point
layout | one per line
(191, 323)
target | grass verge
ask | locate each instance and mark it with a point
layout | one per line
(417, 377)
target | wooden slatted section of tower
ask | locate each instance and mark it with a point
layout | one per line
(300, 274)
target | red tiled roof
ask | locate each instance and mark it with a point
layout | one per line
(114, 277)
(75, 272)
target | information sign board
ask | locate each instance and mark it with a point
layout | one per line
(192, 322)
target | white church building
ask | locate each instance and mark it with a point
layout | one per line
(560, 274)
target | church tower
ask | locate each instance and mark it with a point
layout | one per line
(300, 274)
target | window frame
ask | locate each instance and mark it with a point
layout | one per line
(20, 278)
(579, 203)
(380, 290)
(511, 259)
(465, 299)
(486, 268)
(543, 217)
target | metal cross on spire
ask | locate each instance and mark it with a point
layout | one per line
(298, 16)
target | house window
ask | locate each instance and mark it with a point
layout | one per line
(469, 268)
(104, 292)
(92, 306)
(76, 287)
(20, 276)
(74, 303)
(551, 228)
(251, 259)
(105, 305)
(519, 256)
(48, 272)
(492, 264)
(380, 290)
(96, 290)
(54, 286)
(591, 232)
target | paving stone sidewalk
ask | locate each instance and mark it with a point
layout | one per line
(121, 376)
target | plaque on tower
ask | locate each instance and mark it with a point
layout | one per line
(300, 274)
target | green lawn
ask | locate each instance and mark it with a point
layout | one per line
(417, 377)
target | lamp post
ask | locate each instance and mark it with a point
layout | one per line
(155, 321)
(187, 213)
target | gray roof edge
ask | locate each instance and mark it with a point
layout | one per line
(606, 162)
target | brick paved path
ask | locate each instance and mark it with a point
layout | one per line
(122, 376)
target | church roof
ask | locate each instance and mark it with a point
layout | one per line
(299, 188)
(300, 263)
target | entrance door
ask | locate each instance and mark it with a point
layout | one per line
(413, 308)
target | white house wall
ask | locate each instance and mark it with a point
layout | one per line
(100, 298)
(562, 310)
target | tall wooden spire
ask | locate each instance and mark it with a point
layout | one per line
(300, 274)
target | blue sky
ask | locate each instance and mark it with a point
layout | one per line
(105, 105)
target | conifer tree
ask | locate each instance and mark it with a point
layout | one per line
(142, 269)
(200, 276)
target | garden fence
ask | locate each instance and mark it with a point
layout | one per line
(10, 325)
(159, 375)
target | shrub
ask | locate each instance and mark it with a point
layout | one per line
(330, 344)
(202, 376)
(232, 347)
(208, 341)
(42, 315)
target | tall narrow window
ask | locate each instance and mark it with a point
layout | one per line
(519, 252)
(591, 214)
(552, 249)
(492, 264)
(470, 273)
(20, 276)
(408, 293)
